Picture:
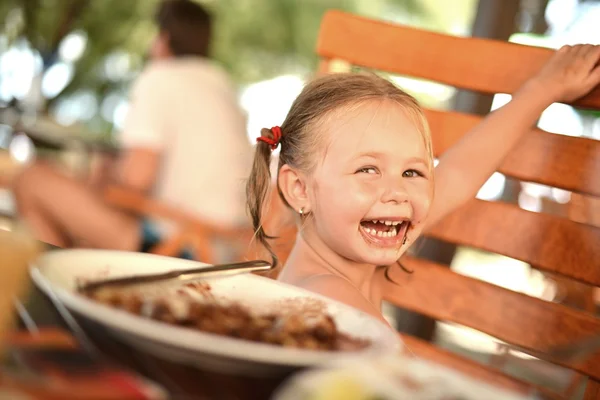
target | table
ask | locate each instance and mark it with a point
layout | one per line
(184, 382)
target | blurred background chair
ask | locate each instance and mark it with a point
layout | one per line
(199, 237)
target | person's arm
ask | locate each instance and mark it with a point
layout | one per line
(145, 132)
(569, 74)
(134, 169)
(137, 169)
(101, 170)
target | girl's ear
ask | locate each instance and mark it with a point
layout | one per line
(293, 186)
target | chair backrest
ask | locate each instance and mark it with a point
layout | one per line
(547, 242)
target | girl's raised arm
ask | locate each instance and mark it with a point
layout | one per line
(569, 74)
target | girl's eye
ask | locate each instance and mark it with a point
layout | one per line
(412, 173)
(367, 170)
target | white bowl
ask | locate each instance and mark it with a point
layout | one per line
(57, 273)
(395, 377)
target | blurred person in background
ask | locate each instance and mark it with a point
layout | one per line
(183, 144)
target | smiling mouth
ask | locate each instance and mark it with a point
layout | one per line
(384, 230)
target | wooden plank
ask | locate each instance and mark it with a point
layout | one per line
(541, 157)
(512, 317)
(545, 241)
(483, 65)
(430, 352)
(584, 209)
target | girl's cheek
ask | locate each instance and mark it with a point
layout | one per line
(362, 193)
(422, 207)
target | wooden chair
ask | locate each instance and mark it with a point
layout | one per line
(199, 236)
(547, 242)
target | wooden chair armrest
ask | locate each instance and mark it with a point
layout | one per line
(139, 204)
(194, 233)
(142, 205)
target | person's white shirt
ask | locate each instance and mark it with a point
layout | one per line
(187, 109)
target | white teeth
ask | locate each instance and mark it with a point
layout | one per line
(392, 232)
(385, 222)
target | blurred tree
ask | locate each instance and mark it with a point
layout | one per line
(106, 26)
(258, 38)
(254, 39)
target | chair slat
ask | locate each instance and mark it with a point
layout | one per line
(512, 317)
(541, 157)
(482, 65)
(545, 241)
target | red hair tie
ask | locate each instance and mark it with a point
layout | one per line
(272, 142)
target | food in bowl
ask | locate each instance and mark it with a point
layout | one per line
(192, 306)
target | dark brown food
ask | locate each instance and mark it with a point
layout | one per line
(295, 330)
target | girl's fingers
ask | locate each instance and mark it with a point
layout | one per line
(591, 56)
(594, 78)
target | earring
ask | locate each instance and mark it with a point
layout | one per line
(301, 211)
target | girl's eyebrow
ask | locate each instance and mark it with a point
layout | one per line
(380, 155)
(417, 160)
(371, 154)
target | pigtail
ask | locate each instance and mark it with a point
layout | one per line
(258, 186)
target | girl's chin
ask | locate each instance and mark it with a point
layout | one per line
(384, 259)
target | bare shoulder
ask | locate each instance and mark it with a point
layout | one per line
(338, 289)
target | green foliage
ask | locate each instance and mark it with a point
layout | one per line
(258, 38)
(254, 39)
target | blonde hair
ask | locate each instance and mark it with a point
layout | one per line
(302, 140)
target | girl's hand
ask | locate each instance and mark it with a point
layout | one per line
(570, 73)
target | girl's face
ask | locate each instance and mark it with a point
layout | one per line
(374, 186)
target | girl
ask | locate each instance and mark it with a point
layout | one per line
(356, 165)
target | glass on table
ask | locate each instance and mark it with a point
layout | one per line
(17, 249)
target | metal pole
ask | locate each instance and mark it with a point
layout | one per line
(495, 19)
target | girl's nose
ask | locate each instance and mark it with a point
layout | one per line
(395, 192)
